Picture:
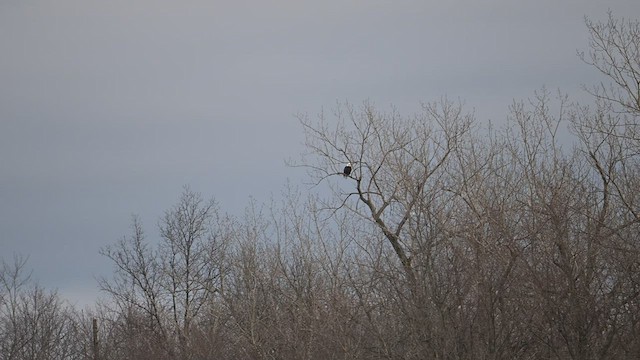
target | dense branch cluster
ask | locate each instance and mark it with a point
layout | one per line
(448, 240)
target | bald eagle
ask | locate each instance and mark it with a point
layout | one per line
(347, 170)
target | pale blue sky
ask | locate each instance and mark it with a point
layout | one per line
(108, 108)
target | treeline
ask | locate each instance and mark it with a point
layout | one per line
(449, 240)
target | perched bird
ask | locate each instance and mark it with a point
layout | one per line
(347, 170)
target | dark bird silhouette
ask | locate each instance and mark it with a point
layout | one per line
(347, 170)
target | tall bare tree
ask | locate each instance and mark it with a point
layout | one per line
(397, 162)
(172, 285)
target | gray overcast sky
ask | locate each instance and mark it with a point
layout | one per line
(108, 108)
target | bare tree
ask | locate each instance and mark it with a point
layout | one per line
(397, 162)
(171, 286)
(190, 255)
(34, 323)
(614, 50)
(12, 280)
